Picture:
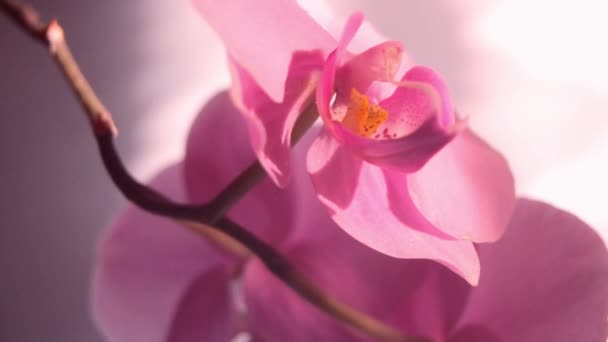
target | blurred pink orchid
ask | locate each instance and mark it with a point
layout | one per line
(546, 280)
(390, 164)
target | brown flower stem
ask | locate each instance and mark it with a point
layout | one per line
(152, 201)
(26, 17)
(224, 232)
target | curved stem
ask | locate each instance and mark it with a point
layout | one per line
(226, 232)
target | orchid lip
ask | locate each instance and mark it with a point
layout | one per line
(367, 117)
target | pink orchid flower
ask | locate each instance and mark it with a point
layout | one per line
(546, 280)
(394, 165)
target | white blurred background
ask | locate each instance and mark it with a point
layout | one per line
(529, 73)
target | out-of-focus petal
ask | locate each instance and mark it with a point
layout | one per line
(374, 207)
(262, 36)
(545, 280)
(466, 190)
(217, 152)
(206, 312)
(149, 268)
(475, 333)
(271, 123)
(435, 305)
(289, 317)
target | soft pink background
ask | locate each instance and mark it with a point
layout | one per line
(529, 73)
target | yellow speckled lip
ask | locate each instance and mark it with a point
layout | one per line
(363, 117)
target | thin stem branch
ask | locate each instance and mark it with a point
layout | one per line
(52, 34)
(26, 17)
(226, 232)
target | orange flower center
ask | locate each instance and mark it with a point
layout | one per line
(363, 117)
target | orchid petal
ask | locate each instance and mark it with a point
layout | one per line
(374, 207)
(466, 190)
(206, 312)
(545, 280)
(263, 35)
(209, 167)
(474, 333)
(436, 98)
(270, 123)
(148, 266)
(433, 307)
(367, 36)
(297, 320)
